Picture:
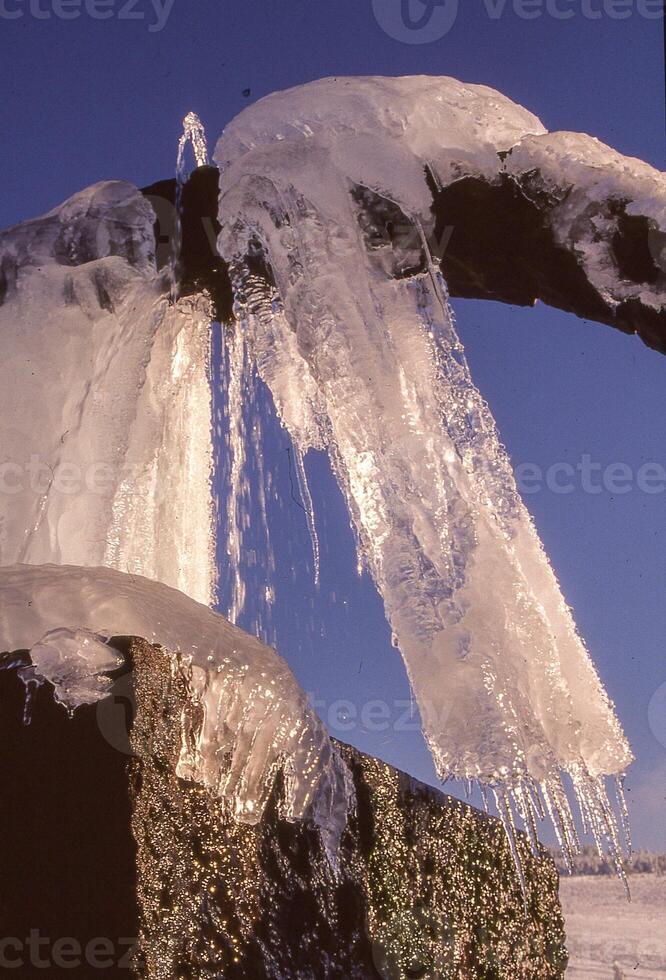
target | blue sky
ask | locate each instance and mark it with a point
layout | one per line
(87, 99)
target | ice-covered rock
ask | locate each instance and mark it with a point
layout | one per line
(595, 197)
(247, 717)
(425, 884)
(511, 212)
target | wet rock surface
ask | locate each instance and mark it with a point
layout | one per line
(103, 840)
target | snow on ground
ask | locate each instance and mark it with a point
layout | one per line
(609, 938)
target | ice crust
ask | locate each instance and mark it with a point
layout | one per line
(247, 716)
(382, 132)
(106, 458)
(591, 185)
(369, 365)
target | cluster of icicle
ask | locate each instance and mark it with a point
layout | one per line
(105, 400)
(245, 716)
(363, 360)
(100, 370)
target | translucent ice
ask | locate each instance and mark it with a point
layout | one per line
(255, 718)
(106, 448)
(194, 133)
(358, 344)
(105, 460)
(105, 401)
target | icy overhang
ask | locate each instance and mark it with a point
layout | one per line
(512, 213)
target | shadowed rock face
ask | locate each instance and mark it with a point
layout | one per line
(502, 247)
(497, 242)
(114, 845)
(200, 267)
(67, 853)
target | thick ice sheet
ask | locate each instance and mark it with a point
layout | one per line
(105, 460)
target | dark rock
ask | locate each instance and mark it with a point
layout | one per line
(200, 266)
(493, 239)
(67, 853)
(502, 247)
(104, 840)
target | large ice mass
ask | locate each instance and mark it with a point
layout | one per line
(106, 460)
(105, 401)
(106, 445)
(357, 342)
(248, 715)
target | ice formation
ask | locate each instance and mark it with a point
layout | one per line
(592, 184)
(106, 460)
(357, 343)
(106, 447)
(105, 401)
(193, 134)
(255, 718)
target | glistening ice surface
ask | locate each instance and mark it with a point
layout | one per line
(254, 719)
(105, 458)
(358, 346)
(105, 401)
(105, 413)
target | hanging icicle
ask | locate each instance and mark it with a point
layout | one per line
(356, 340)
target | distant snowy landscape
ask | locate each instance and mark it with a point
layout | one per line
(609, 938)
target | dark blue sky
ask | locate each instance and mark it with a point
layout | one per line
(85, 100)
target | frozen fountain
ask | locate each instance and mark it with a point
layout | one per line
(193, 135)
(376, 375)
(328, 225)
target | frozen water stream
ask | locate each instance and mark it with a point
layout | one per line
(363, 358)
(350, 328)
(193, 134)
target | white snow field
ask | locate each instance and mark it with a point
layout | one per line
(609, 938)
